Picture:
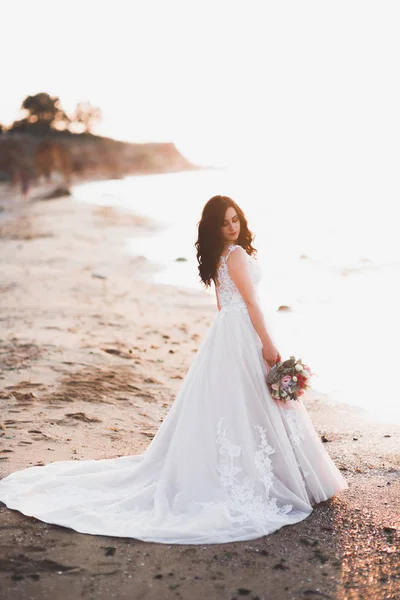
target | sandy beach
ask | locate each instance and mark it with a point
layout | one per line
(92, 354)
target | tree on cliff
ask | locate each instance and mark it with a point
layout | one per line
(42, 113)
(86, 116)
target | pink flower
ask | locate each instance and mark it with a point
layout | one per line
(286, 380)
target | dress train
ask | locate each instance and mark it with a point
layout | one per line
(228, 462)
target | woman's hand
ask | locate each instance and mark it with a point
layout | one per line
(271, 356)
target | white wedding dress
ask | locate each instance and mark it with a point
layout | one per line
(228, 462)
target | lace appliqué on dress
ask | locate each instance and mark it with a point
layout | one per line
(296, 433)
(239, 306)
(229, 295)
(244, 502)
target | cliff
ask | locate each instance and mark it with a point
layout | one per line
(29, 158)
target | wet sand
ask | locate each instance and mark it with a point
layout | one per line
(91, 357)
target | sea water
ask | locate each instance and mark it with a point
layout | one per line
(331, 258)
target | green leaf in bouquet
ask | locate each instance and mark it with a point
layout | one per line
(273, 375)
(288, 364)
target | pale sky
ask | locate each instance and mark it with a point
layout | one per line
(286, 80)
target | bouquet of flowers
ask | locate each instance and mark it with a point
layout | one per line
(289, 379)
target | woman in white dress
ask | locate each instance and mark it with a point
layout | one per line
(228, 462)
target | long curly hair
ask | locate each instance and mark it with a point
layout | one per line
(210, 242)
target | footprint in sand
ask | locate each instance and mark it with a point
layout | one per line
(81, 416)
(128, 355)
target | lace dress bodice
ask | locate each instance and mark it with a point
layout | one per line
(228, 294)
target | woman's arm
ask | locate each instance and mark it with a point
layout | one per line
(238, 268)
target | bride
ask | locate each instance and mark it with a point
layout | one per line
(228, 462)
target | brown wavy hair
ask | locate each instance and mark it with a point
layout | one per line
(210, 242)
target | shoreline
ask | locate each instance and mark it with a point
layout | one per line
(92, 355)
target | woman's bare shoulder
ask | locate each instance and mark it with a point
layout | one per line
(237, 256)
(232, 248)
